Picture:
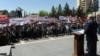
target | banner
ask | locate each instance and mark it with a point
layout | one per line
(18, 21)
(4, 19)
(62, 18)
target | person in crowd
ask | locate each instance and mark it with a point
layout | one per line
(98, 22)
(91, 36)
(54, 30)
(73, 26)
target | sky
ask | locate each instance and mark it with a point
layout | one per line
(34, 5)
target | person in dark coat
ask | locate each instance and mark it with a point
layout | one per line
(91, 36)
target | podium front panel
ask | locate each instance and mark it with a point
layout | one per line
(79, 45)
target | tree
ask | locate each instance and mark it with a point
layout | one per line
(13, 14)
(88, 11)
(59, 12)
(19, 12)
(1, 11)
(73, 12)
(80, 12)
(25, 14)
(53, 12)
(43, 13)
(70, 12)
(5, 12)
(66, 10)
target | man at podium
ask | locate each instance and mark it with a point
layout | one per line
(91, 36)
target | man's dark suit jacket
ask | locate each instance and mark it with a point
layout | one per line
(91, 30)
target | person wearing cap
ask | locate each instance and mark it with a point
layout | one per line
(91, 36)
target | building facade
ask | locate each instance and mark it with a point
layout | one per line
(91, 5)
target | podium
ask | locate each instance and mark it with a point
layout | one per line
(78, 42)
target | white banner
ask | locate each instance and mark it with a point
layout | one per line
(62, 18)
(18, 21)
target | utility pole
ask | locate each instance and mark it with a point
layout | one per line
(94, 9)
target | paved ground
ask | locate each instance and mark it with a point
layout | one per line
(58, 46)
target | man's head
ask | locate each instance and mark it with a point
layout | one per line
(91, 17)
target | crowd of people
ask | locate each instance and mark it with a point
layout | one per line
(15, 33)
